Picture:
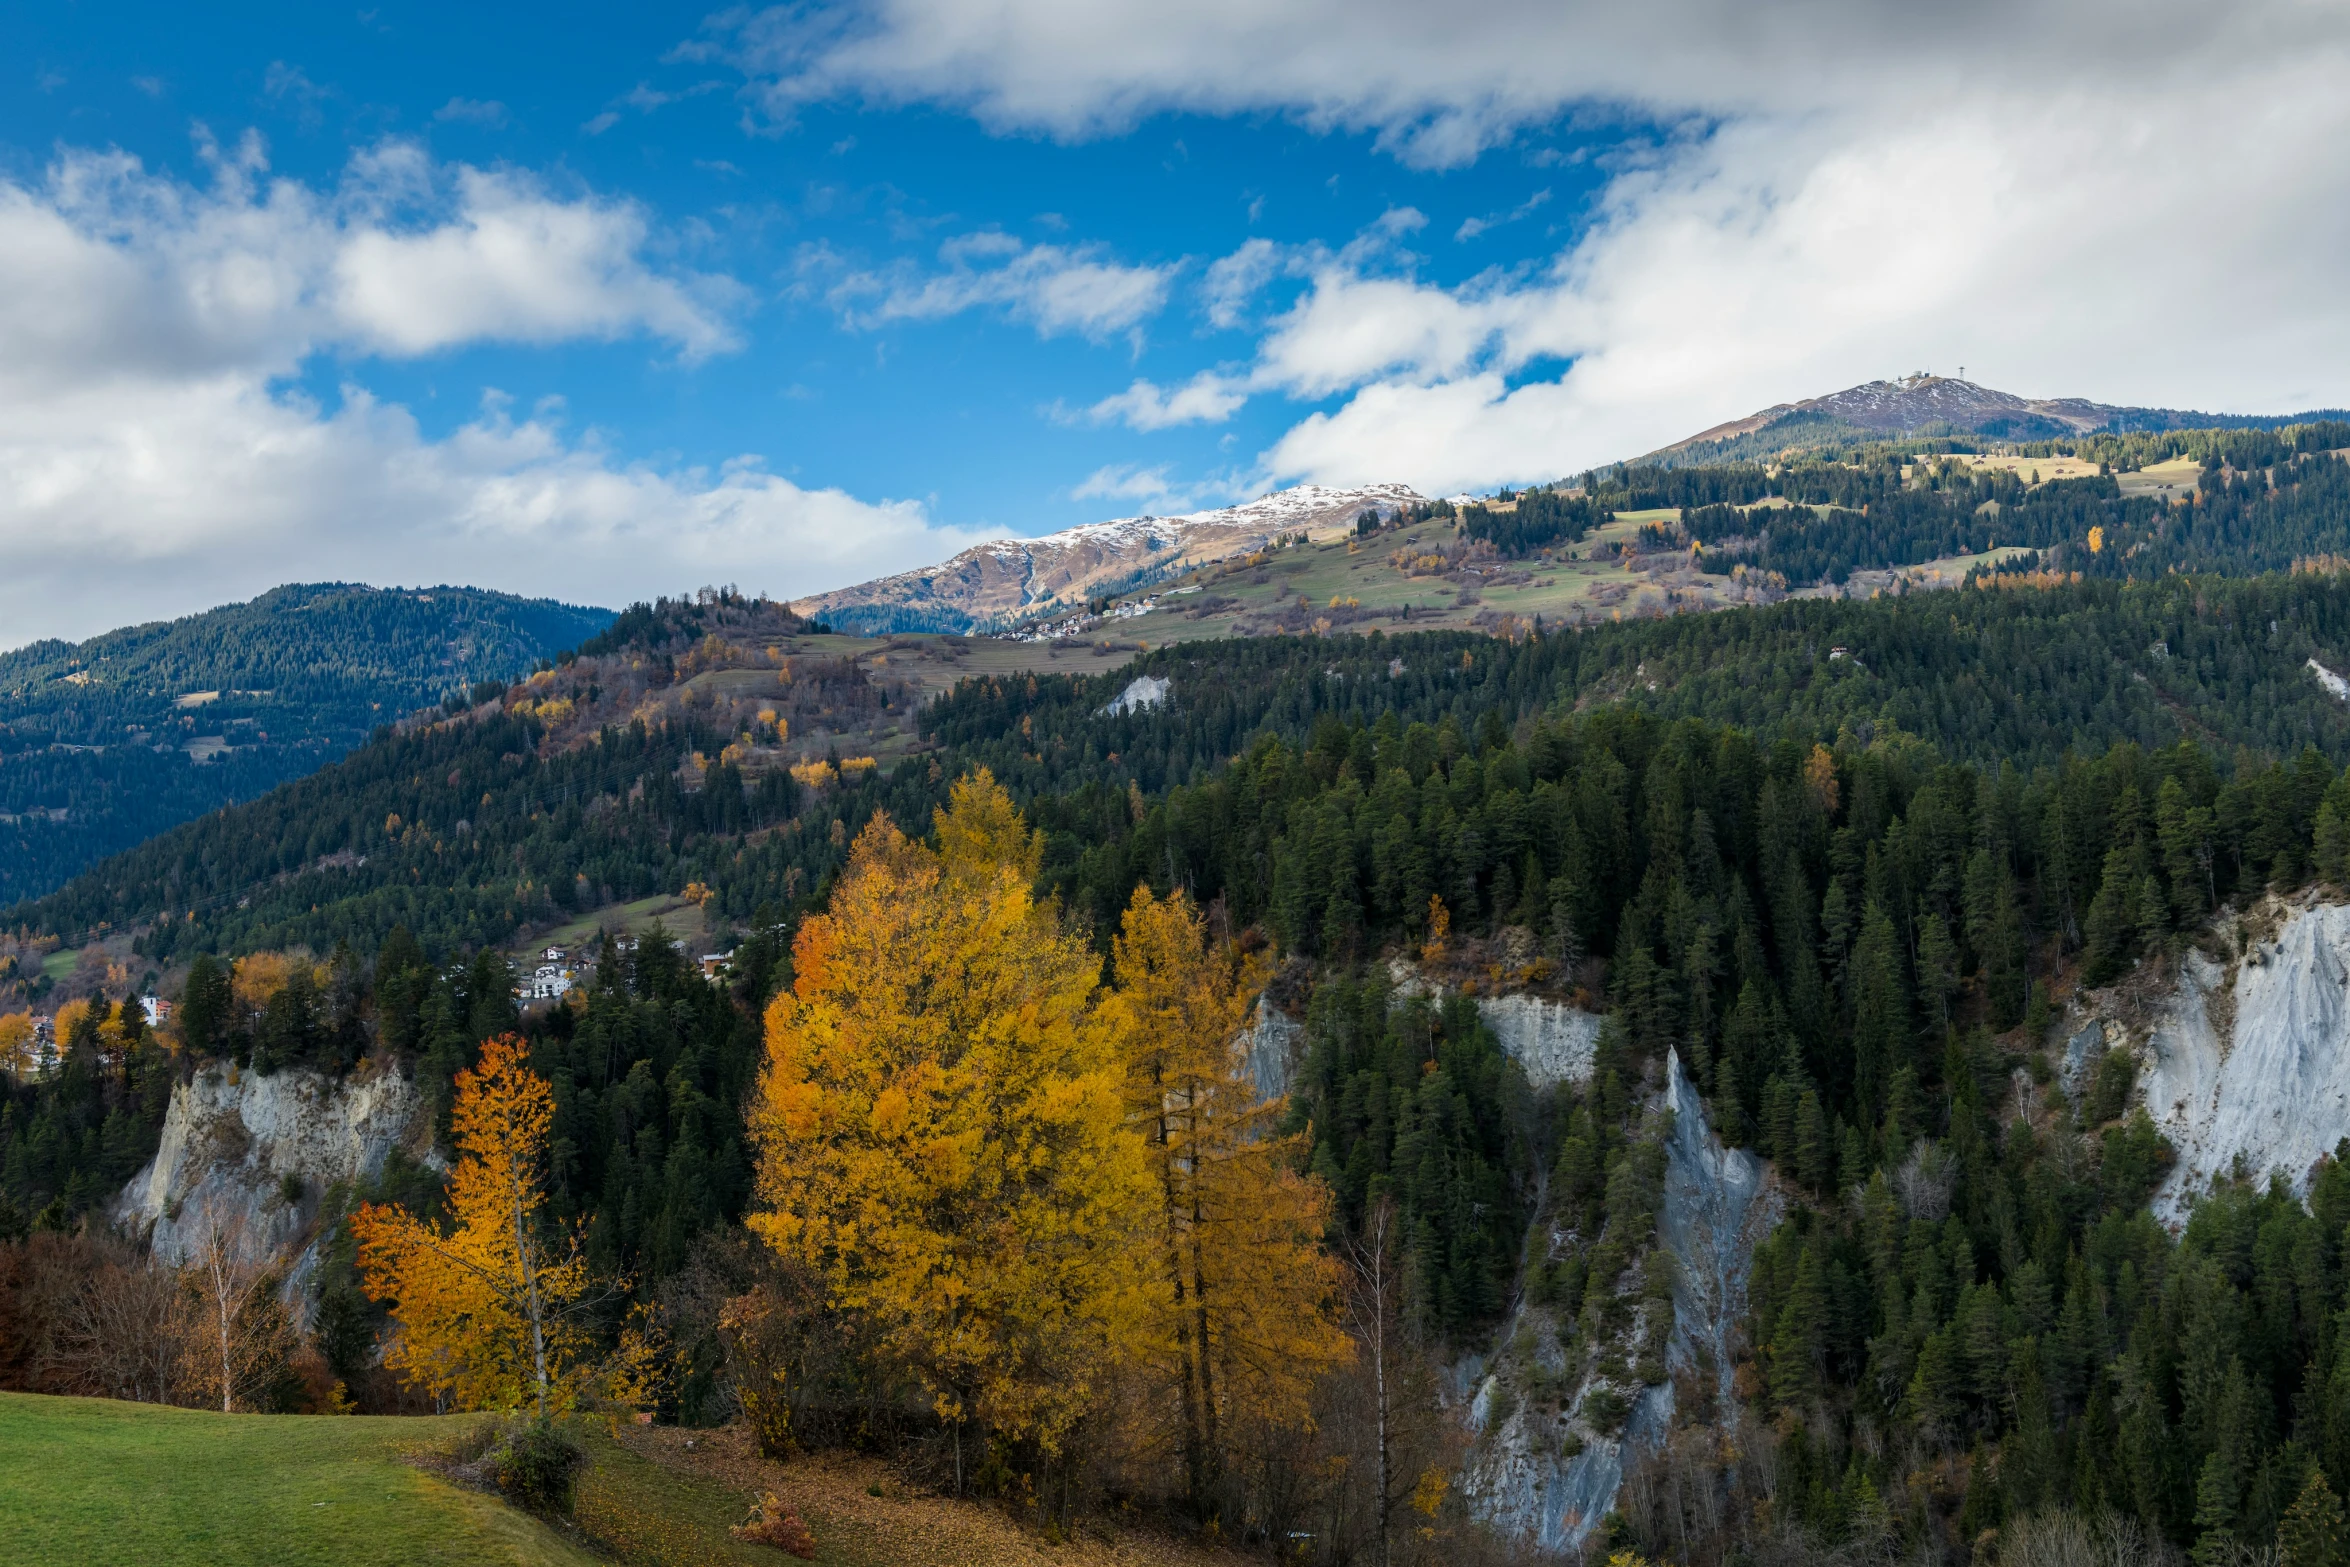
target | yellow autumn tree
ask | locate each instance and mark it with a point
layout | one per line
(941, 1125)
(1243, 1295)
(19, 1046)
(486, 1308)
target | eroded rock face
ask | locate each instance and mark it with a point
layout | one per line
(2269, 1084)
(231, 1138)
(1553, 1041)
(1717, 1209)
(1270, 1046)
(1544, 1477)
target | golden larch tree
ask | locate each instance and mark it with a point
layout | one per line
(941, 1126)
(485, 1308)
(1244, 1294)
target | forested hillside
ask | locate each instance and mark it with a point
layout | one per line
(467, 830)
(2259, 501)
(1838, 940)
(107, 742)
(1836, 856)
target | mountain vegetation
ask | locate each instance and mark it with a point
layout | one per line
(2259, 501)
(105, 743)
(955, 1161)
(536, 809)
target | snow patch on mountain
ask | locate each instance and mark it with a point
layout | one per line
(1006, 582)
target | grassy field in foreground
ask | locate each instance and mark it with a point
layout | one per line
(91, 1481)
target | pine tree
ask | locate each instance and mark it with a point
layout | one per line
(1937, 968)
(2111, 930)
(2215, 1514)
(1880, 1011)
(2312, 1532)
(1799, 1343)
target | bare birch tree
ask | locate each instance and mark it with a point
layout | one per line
(242, 1333)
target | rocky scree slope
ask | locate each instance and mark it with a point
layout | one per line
(2241, 1058)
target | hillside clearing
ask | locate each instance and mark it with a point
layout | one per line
(95, 1482)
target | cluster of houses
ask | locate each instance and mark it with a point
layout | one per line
(552, 979)
(558, 970)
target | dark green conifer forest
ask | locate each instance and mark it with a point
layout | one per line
(1841, 860)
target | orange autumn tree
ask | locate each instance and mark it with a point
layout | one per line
(1243, 1294)
(941, 1124)
(485, 1309)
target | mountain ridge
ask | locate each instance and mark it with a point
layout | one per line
(1002, 583)
(1926, 403)
(107, 741)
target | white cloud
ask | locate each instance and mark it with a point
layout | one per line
(517, 265)
(1772, 262)
(1123, 482)
(1207, 398)
(1057, 288)
(1440, 84)
(2142, 204)
(1472, 227)
(156, 456)
(1233, 281)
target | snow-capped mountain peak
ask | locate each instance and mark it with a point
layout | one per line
(1003, 582)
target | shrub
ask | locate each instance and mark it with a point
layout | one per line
(776, 1525)
(535, 1465)
(1604, 1410)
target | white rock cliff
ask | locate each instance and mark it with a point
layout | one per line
(2265, 1080)
(1717, 1206)
(231, 1138)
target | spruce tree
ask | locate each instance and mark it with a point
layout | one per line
(2215, 1514)
(2312, 1533)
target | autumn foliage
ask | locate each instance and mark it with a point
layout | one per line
(485, 1308)
(1033, 1187)
(942, 1126)
(1239, 1324)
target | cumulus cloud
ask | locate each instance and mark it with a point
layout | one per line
(156, 452)
(2141, 204)
(1123, 482)
(1056, 288)
(1207, 398)
(515, 264)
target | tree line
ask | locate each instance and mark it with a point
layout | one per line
(469, 832)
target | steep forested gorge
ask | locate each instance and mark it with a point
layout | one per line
(1841, 858)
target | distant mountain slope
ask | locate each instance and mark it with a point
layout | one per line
(1933, 404)
(514, 817)
(1004, 582)
(107, 742)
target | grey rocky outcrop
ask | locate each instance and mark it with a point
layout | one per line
(1544, 1477)
(232, 1138)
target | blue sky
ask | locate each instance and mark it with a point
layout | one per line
(600, 303)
